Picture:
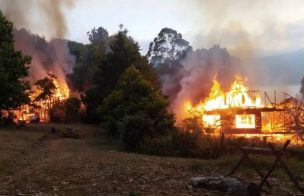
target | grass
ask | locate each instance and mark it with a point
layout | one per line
(93, 165)
(132, 193)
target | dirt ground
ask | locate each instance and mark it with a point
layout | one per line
(34, 163)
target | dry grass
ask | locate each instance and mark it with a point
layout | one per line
(32, 163)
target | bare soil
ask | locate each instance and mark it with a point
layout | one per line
(33, 162)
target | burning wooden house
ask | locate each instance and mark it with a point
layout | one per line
(53, 90)
(240, 111)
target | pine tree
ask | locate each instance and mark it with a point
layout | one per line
(14, 90)
(135, 111)
(124, 52)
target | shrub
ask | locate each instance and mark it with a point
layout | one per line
(189, 140)
(65, 111)
(161, 145)
(188, 137)
(72, 107)
(57, 112)
(135, 113)
(132, 129)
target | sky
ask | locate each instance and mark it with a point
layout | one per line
(249, 29)
(254, 26)
(245, 27)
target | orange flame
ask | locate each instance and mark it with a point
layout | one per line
(28, 113)
(237, 97)
(213, 112)
(62, 90)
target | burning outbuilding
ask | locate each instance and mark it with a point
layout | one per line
(240, 111)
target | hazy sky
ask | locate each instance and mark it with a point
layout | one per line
(259, 25)
(245, 27)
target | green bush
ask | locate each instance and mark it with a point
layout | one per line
(161, 145)
(72, 107)
(66, 111)
(133, 128)
(57, 112)
(136, 113)
(188, 137)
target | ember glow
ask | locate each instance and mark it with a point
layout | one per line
(62, 91)
(239, 112)
(28, 113)
(245, 121)
(237, 97)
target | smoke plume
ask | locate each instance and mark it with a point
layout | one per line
(200, 67)
(247, 34)
(46, 17)
(47, 57)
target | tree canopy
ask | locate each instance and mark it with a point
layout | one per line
(168, 47)
(135, 111)
(123, 52)
(47, 88)
(88, 56)
(14, 90)
(302, 88)
(166, 53)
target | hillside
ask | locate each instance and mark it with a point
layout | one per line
(35, 164)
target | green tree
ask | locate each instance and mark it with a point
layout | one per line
(168, 48)
(124, 52)
(14, 90)
(302, 88)
(80, 77)
(47, 89)
(136, 112)
(165, 53)
(72, 107)
(88, 56)
(98, 36)
(65, 111)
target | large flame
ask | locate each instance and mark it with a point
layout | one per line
(62, 91)
(28, 113)
(238, 96)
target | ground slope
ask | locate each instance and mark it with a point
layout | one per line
(35, 163)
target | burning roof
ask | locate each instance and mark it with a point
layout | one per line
(238, 96)
(238, 110)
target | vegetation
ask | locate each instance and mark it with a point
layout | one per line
(121, 91)
(168, 48)
(136, 113)
(88, 56)
(97, 165)
(72, 109)
(166, 53)
(66, 111)
(14, 90)
(100, 63)
(47, 88)
(302, 88)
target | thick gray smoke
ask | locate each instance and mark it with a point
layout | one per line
(47, 18)
(200, 67)
(47, 57)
